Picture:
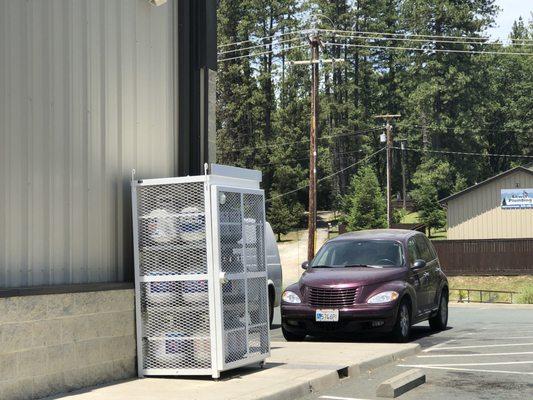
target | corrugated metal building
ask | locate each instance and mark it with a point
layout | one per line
(89, 90)
(87, 93)
(477, 212)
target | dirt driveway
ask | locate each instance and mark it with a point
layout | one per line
(294, 252)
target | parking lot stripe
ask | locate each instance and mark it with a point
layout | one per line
(477, 355)
(469, 369)
(476, 346)
(472, 364)
(437, 346)
(339, 398)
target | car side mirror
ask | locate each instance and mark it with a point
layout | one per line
(419, 264)
(305, 265)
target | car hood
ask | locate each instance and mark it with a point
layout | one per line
(346, 277)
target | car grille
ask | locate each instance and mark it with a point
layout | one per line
(331, 298)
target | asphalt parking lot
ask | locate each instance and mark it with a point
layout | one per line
(487, 353)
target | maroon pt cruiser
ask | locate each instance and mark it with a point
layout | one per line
(380, 280)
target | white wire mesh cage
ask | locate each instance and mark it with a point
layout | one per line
(200, 269)
(173, 275)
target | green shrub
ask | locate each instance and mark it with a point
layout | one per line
(463, 295)
(526, 297)
(398, 215)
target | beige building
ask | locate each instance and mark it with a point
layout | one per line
(499, 207)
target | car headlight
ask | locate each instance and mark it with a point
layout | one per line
(290, 297)
(383, 297)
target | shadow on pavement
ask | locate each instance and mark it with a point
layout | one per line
(418, 332)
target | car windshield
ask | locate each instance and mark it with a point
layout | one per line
(359, 253)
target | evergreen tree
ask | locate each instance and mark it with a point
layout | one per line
(432, 181)
(282, 216)
(448, 101)
(365, 204)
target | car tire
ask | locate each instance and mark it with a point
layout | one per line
(439, 321)
(270, 310)
(292, 337)
(402, 327)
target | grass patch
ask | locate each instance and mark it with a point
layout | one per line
(411, 218)
(522, 284)
(439, 234)
(527, 296)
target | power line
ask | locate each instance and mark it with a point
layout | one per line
(423, 40)
(305, 140)
(407, 36)
(427, 50)
(435, 128)
(261, 54)
(328, 176)
(300, 31)
(473, 38)
(274, 43)
(463, 153)
(306, 158)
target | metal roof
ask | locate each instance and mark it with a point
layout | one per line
(477, 185)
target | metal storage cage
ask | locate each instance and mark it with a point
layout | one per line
(200, 273)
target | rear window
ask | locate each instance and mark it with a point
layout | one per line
(345, 253)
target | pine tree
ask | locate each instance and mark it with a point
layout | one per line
(282, 216)
(365, 204)
(434, 180)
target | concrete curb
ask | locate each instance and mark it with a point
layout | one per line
(400, 384)
(322, 380)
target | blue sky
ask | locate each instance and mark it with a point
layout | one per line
(510, 11)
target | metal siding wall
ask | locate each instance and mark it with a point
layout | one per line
(86, 92)
(478, 215)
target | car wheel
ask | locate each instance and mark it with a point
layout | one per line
(292, 337)
(270, 310)
(402, 327)
(440, 320)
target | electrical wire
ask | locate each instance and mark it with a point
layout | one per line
(467, 39)
(423, 40)
(274, 43)
(427, 50)
(473, 38)
(328, 176)
(305, 158)
(261, 54)
(462, 153)
(300, 31)
(434, 128)
(357, 133)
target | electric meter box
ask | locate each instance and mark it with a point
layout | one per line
(200, 273)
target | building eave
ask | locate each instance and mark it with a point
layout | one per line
(445, 200)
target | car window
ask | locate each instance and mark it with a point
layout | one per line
(423, 248)
(412, 252)
(343, 253)
(434, 254)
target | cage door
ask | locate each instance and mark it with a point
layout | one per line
(239, 240)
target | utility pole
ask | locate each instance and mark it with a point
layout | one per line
(404, 189)
(314, 42)
(389, 141)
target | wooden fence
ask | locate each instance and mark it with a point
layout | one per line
(486, 256)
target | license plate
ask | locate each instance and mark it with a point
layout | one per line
(327, 315)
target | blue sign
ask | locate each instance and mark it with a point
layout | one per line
(516, 198)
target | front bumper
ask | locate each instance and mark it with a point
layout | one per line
(300, 319)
